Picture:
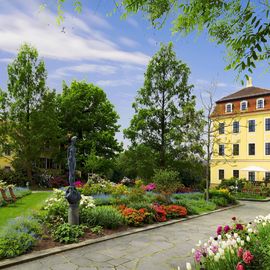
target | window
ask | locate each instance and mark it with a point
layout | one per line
(267, 149)
(220, 174)
(267, 176)
(260, 103)
(235, 149)
(235, 127)
(251, 149)
(251, 176)
(236, 174)
(251, 125)
(221, 150)
(221, 128)
(228, 107)
(267, 124)
(243, 105)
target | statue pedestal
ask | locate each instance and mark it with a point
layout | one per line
(73, 214)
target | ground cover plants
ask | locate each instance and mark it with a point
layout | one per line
(239, 246)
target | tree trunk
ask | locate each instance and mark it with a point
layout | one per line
(162, 152)
(30, 175)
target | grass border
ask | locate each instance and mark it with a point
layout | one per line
(47, 252)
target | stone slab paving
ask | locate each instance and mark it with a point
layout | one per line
(163, 248)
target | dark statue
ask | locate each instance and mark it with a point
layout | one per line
(73, 196)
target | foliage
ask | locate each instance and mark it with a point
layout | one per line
(13, 177)
(222, 193)
(19, 236)
(252, 196)
(166, 181)
(175, 211)
(165, 117)
(250, 188)
(232, 183)
(66, 233)
(87, 113)
(137, 161)
(106, 216)
(241, 26)
(28, 110)
(136, 193)
(58, 181)
(97, 230)
(136, 217)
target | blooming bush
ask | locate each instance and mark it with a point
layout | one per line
(160, 212)
(135, 217)
(238, 246)
(150, 187)
(58, 181)
(175, 211)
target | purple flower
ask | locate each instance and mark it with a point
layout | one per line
(198, 255)
(226, 228)
(214, 249)
(219, 230)
(239, 227)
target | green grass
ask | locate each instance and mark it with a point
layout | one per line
(22, 207)
(249, 196)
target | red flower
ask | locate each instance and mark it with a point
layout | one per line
(240, 252)
(240, 266)
(219, 230)
(239, 227)
(247, 257)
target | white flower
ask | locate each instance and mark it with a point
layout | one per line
(193, 251)
(250, 230)
(205, 245)
(248, 239)
(199, 243)
(238, 240)
(221, 251)
(188, 266)
(264, 224)
(211, 253)
(219, 237)
(242, 243)
(217, 257)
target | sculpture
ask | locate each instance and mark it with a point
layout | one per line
(71, 157)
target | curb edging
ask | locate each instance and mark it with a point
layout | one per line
(47, 252)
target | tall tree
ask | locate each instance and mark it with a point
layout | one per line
(87, 113)
(165, 117)
(29, 109)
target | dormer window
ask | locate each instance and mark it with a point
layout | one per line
(228, 107)
(244, 105)
(260, 103)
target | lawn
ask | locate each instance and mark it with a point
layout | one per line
(23, 206)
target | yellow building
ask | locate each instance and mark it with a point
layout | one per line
(241, 136)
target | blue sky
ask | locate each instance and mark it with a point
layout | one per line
(107, 50)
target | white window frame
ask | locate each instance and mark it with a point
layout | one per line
(248, 125)
(226, 107)
(243, 101)
(257, 102)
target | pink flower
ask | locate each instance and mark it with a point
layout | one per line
(197, 255)
(247, 257)
(219, 230)
(240, 266)
(240, 252)
(226, 228)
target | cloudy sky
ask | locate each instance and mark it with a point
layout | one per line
(106, 50)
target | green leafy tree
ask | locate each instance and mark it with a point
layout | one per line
(28, 110)
(165, 117)
(87, 113)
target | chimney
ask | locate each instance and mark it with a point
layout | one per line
(249, 82)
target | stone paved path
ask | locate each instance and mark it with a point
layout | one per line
(164, 248)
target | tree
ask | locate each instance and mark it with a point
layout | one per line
(87, 113)
(242, 26)
(165, 117)
(28, 110)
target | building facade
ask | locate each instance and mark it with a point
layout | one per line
(241, 136)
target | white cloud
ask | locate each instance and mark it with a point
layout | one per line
(115, 83)
(84, 68)
(152, 42)
(78, 41)
(128, 42)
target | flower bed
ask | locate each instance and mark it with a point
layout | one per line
(237, 246)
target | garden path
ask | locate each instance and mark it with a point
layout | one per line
(164, 248)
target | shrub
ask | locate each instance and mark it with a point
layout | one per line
(220, 201)
(167, 181)
(97, 230)
(232, 183)
(136, 217)
(223, 193)
(58, 181)
(19, 236)
(160, 212)
(106, 216)
(119, 189)
(175, 211)
(66, 233)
